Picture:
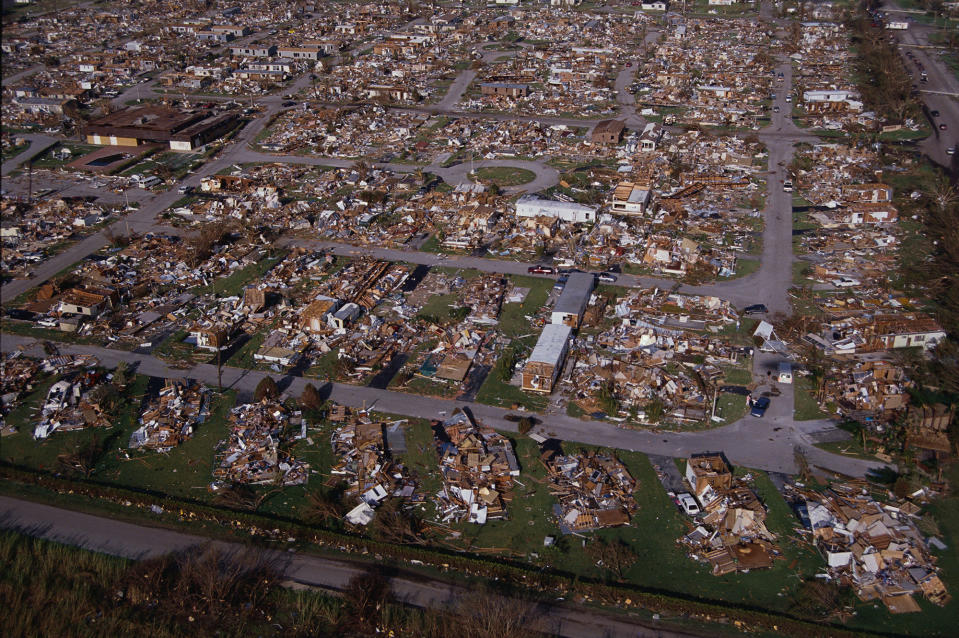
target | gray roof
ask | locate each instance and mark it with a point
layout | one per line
(575, 294)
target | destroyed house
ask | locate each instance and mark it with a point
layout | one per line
(572, 302)
(316, 316)
(546, 361)
(707, 475)
(630, 199)
(82, 302)
(504, 88)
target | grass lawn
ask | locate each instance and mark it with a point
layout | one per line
(426, 387)
(47, 159)
(28, 329)
(243, 358)
(744, 267)
(12, 151)
(504, 176)
(233, 284)
(22, 449)
(186, 470)
(431, 245)
(495, 392)
(852, 447)
(512, 318)
(806, 406)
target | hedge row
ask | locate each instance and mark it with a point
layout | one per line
(512, 574)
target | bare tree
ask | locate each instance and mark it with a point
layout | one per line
(615, 556)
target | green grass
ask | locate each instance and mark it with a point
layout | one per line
(852, 447)
(186, 470)
(806, 406)
(22, 449)
(495, 392)
(12, 151)
(504, 176)
(744, 267)
(233, 284)
(47, 160)
(512, 319)
(27, 329)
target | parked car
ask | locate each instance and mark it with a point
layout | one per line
(541, 270)
(688, 503)
(755, 309)
(943, 127)
(951, 150)
(760, 406)
(934, 113)
(608, 277)
(568, 271)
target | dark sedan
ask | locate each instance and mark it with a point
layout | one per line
(759, 407)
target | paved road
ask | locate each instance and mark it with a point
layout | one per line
(940, 79)
(138, 542)
(16, 77)
(766, 444)
(38, 144)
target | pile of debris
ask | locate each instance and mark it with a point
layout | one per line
(74, 403)
(731, 534)
(593, 490)
(873, 547)
(252, 454)
(17, 377)
(169, 420)
(365, 451)
(477, 466)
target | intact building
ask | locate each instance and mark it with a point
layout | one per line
(573, 300)
(545, 363)
(608, 132)
(183, 130)
(532, 206)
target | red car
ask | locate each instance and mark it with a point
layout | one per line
(541, 270)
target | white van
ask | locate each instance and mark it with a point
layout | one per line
(147, 182)
(785, 372)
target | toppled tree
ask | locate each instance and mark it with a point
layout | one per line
(325, 505)
(366, 597)
(483, 613)
(266, 389)
(83, 459)
(395, 524)
(614, 556)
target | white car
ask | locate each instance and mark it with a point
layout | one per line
(845, 282)
(688, 503)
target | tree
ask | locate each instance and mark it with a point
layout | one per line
(615, 556)
(365, 597)
(395, 524)
(325, 505)
(525, 425)
(310, 398)
(507, 363)
(483, 613)
(266, 389)
(83, 459)
(121, 374)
